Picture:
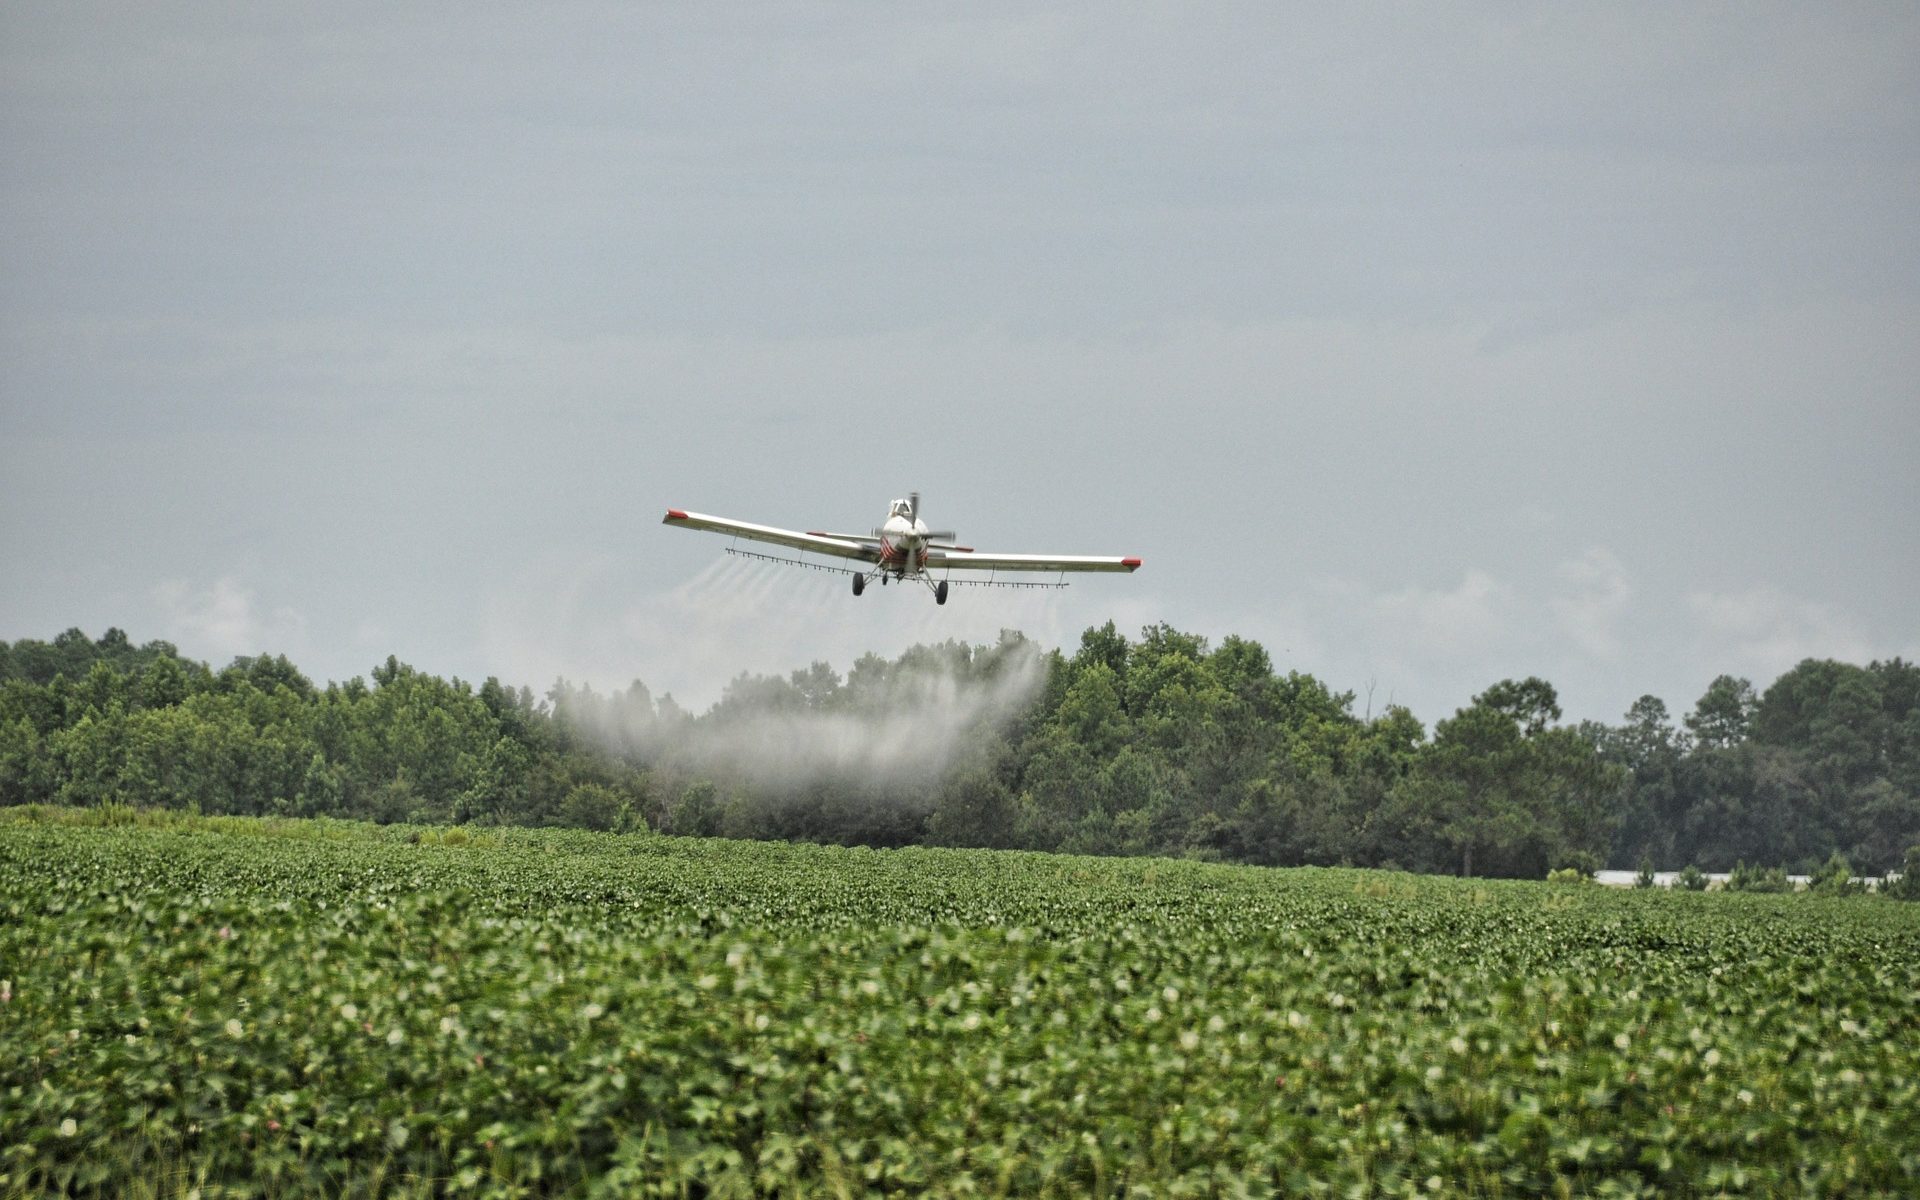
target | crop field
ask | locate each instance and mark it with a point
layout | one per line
(228, 1007)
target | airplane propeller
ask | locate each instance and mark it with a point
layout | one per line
(913, 514)
(933, 535)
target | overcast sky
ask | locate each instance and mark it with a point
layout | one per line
(1427, 345)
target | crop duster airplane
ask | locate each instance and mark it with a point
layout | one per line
(902, 549)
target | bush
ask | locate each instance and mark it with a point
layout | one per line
(697, 812)
(1566, 875)
(1645, 878)
(1835, 878)
(1758, 879)
(1691, 879)
(591, 806)
(1582, 861)
(1907, 885)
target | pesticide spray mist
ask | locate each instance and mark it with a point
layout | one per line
(894, 726)
(904, 724)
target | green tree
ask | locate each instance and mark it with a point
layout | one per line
(1834, 878)
(1652, 750)
(1512, 796)
(1105, 645)
(591, 806)
(321, 792)
(1906, 884)
(974, 809)
(26, 776)
(697, 812)
(1758, 879)
(163, 684)
(1090, 714)
(1531, 703)
(1724, 714)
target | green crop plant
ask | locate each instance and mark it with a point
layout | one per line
(279, 1008)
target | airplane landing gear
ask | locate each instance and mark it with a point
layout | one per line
(940, 592)
(859, 584)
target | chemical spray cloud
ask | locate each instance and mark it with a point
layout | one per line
(906, 728)
(887, 725)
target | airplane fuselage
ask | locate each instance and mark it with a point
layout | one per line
(903, 546)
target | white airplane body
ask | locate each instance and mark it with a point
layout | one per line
(902, 549)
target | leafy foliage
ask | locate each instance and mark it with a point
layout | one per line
(248, 1006)
(1906, 886)
(1826, 761)
(1758, 879)
(1163, 744)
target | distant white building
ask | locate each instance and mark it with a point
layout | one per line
(1626, 879)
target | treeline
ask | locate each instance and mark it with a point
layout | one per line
(1826, 760)
(86, 723)
(1157, 745)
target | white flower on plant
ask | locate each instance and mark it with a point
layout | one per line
(234, 1028)
(69, 1127)
(395, 1037)
(350, 1011)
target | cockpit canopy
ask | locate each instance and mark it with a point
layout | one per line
(901, 509)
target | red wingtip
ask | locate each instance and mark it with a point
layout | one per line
(674, 514)
(1131, 564)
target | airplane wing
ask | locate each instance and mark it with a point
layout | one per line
(820, 543)
(863, 539)
(978, 560)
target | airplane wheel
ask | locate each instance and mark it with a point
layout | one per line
(859, 584)
(940, 592)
